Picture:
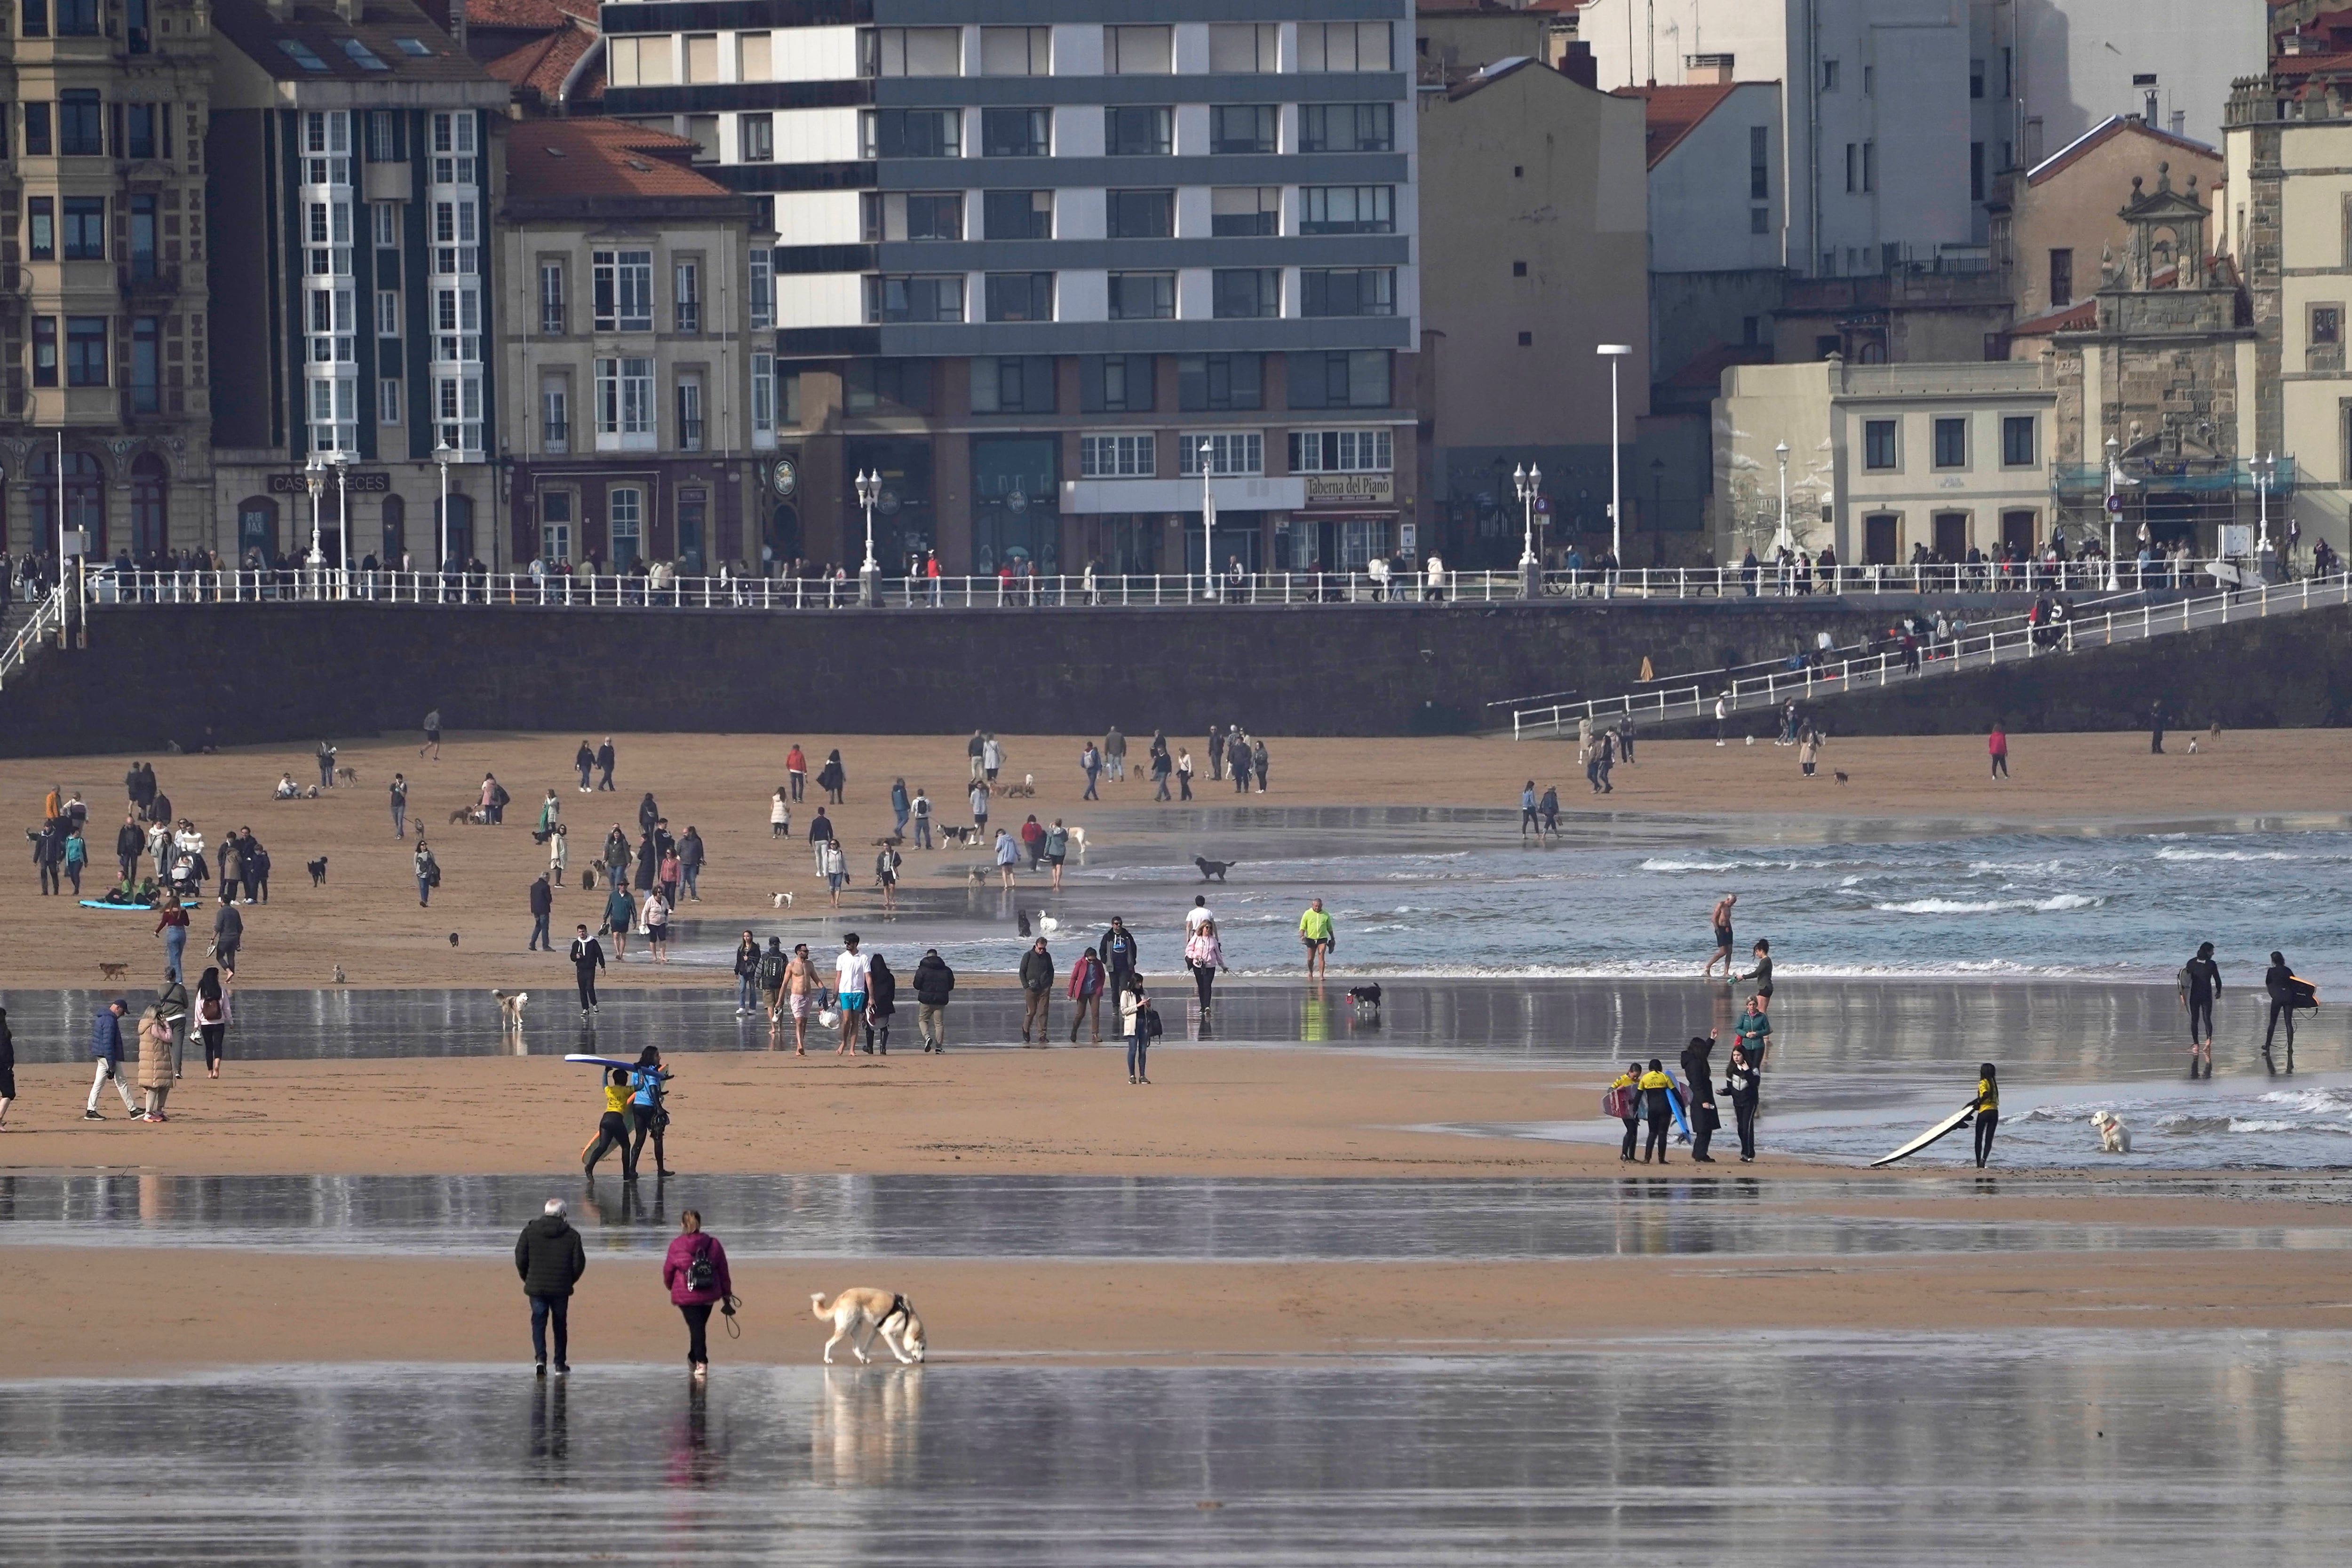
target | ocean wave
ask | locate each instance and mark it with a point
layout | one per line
(2171, 854)
(1656, 864)
(1991, 906)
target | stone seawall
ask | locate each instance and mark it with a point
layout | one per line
(240, 674)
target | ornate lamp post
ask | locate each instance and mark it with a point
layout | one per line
(869, 491)
(1528, 483)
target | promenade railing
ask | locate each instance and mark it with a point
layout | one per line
(555, 590)
(1977, 648)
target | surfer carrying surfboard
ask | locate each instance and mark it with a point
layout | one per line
(1623, 1102)
(1987, 1106)
(2288, 992)
(1658, 1100)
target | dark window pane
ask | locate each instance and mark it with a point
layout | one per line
(1219, 382)
(1137, 132)
(1241, 128)
(1142, 295)
(1020, 295)
(1142, 214)
(1347, 128)
(86, 351)
(1239, 293)
(1018, 215)
(79, 125)
(1016, 133)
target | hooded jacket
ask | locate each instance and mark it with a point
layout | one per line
(933, 981)
(1036, 971)
(550, 1257)
(682, 1251)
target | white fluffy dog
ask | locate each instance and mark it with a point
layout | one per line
(878, 1314)
(510, 1005)
(2115, 1139)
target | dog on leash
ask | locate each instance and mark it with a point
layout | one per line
(318, 872)
(510, 1011)
(2115, 1139)
(878, 1314)
(1217, 869)
(1366, 997)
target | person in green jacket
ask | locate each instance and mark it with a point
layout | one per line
(1314, 933)
(1753, 1034)
(620, 910)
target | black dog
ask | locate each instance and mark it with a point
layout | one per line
(318, 872)
(1365, 997)
(1214, 868)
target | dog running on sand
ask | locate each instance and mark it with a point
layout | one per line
(318, 872)
(1366, 997)
(1839, 776)
(878, 1314)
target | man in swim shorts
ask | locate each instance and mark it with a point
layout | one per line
(1314, 933)
(1721, 921)
(849, 972)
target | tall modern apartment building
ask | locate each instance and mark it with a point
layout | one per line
(1038, 262)
(102, 275)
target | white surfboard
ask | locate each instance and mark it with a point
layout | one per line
(1950, 1123)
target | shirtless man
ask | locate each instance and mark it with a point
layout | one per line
(1721, 921)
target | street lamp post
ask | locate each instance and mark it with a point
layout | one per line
(869, 576)
(1208, 523)
(444, 455)
(342, 525)
(1780, 539)
(1613, 352)
(1529, 482)
(314, 476)
(2264, 468)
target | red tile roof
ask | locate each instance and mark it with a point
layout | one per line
(570, 158)
(1673, 112)
(2080, 317)
(528, 13)
(538, 67)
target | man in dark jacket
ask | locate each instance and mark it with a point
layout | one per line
(934, 981)
(129, 843)
(1037, 990)
(106, 1050)
(1698, 1076)
(550, 1259)
(604, 764)
(228, 937)
(690, 861)
(583, 760)
(587, 958)
(1117, 952)
(542, 904)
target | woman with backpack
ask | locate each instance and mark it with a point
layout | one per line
(695, 1272)
(212, 1018)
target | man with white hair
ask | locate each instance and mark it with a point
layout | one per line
(550, 1259)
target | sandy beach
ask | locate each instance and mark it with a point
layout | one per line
(366, 918)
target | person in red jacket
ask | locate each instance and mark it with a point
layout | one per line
(1086, 979)
(695, 1272)
(1996, 746)
(796, 769)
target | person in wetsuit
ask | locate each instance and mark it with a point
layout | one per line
(1987, 1105)
(2286, 997)
(1630, 1081)
(1762, 973)
(2201, 982)
(1657, 1101)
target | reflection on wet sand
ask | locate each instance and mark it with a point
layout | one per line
(1757, 1450)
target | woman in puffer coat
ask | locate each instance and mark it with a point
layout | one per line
(154, 1062)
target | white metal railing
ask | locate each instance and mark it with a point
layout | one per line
(1978, 649)
(49, 617)
(305, 584)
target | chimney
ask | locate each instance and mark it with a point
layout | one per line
(1579, 65)
(1706, 70)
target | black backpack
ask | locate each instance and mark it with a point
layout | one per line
(702, 1273)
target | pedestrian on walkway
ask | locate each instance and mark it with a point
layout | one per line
(212, 1018)
(1086, 989)
(542, 908)
(934, 984)
(106, 1051)
(1204, 955)
(1037, 991)
(587, 958)
(549, 1260)
(695, 1271)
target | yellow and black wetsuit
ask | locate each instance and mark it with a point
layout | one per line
(1657, 1098)
(1987, 1117)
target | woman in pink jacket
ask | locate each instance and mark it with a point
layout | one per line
(695, 1272)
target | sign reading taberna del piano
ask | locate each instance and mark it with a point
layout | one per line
(1349, 489)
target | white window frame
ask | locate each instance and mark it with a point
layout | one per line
(1235, 454)
(1118, 454)
(1359, 450)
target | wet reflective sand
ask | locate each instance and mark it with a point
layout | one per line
(1128, 1218)
(2044, 1447)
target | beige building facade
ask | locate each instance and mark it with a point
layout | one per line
(1885, 463)
(2054, 224)
(641, 419)
(103, 275)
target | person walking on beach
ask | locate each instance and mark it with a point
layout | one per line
(1624, 1094)
(2155, 728)
(542, 909)
(1657, 1102)
(1721, 921)
(615, 1127)
(2200, 983)
(229, 936)
(1754, 1032)
(550, 1258)
(1204, 955)
(1122, 960)
(747, 973)
(1762, 973)
(1698, 1077)
(881, 1005)
(820, 834)
(649, 1109)
(1139, 1022)
(991, 759)
(1986, 1104)
(695, 1271)
(587, 958)
(1184, 774)
(1722, 711)
(1057, 850)
(1088, 979)
(1997, 747)
(398, 796)
(432, 736)
(1114, 751)
(779, 813)
(106, 1051)
(1315, 934)
(833, 778)
(212, 1018)
(583, 760)
(155, 1063)
(1809, 750)
(620, 914)
(558, 852)
(1090, 764)
(796, 771)
(802, 987)
(604, 766)
(1740, 1082)
(934, 983)
(2286, 995)
(922, 819)
(851, 969)
(1008, 857)
(656, 915)
(980, 811)
(1549, 809)
(1529, 821)
(427, 871)
(1036, 992)
(7, 1068)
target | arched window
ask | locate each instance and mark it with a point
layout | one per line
(395, 532)
(151, 532)
(85, 490)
